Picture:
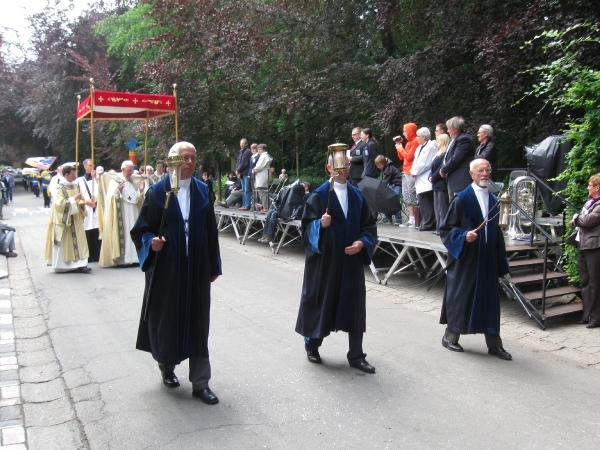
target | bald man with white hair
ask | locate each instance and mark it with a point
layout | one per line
(124, 197)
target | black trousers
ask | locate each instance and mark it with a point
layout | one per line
(427, 210)
(491, 340)
(588, 262)
(93, 244)
(355, 340)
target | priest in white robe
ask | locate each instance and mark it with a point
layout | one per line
(123, 200)
(88, 186)
(66, 244)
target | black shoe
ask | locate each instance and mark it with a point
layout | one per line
(364, 366)
(83, 270)
(170, 380)
(581, 322)
(313, 356)
(455, 347)
(206, 395)
(592, 325)
(500, 353)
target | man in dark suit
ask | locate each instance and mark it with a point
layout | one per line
(458, 157)
(356, 157)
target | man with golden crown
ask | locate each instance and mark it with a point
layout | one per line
(66, 244)
(123, 200)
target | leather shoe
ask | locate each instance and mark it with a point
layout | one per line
(206, 395)
(500, 353)
(364, 366)
(455, 347)
(313, 356)
(84, 270)
(581, 322)
(244, 208)
(170, 380)
(592, 325)
(223, 204)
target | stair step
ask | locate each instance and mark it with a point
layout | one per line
(536, 277)
(514, 263)
(520, 248)
(552, 292)
(563, 309)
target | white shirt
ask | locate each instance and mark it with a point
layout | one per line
(483, 197)
(183, 198)
(341, 190)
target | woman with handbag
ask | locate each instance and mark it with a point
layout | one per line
(588, 260)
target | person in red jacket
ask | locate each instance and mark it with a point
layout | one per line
(407, 154)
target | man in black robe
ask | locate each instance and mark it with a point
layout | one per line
(476, 258)
(339, 235)
(187, 260)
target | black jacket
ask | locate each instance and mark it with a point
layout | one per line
(391, 175)
(242, 164)
(357, 163)
(437, 182)
(490, 152)
(370, 169)
(458, 157)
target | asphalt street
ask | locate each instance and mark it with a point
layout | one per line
(107, 395)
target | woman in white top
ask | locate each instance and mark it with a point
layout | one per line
(420, 170)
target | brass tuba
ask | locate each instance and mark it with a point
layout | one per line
(521, 190)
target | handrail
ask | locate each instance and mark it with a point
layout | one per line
(564, 200)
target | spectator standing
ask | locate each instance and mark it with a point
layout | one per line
(487, 148)
(439, 185)
(2, 197)
(370, 153)
(9, 183)
(356, 157)
(261, 177)
(420, 170)
(45, 188)
(160, 173)
(458, 157)
(588, 260)
(253, 160)
(407, 155)
(242, 170)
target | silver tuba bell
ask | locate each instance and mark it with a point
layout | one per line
(521, 190)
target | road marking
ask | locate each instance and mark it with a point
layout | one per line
(31, 212)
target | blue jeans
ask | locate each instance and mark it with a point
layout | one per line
(398, 216)
(246, 191)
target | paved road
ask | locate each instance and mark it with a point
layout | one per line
(85, 386)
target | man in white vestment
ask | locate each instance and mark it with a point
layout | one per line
(88, 186)
(122, 202)
(66, 244)
(54, 181)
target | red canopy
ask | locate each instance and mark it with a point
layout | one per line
(126, 106)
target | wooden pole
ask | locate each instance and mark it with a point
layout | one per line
(176, 118)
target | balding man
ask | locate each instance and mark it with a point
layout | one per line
(123, 200)
(476, 259)
(186, 261)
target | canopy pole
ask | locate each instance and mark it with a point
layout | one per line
(146, 143)
(77, 133)
(176, 124)
(92, 120)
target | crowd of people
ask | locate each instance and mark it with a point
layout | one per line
(115, 219)
(432, 171)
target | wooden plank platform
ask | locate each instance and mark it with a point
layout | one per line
(563, 309)
(536, 277)
(552, 292)
(523, 263)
